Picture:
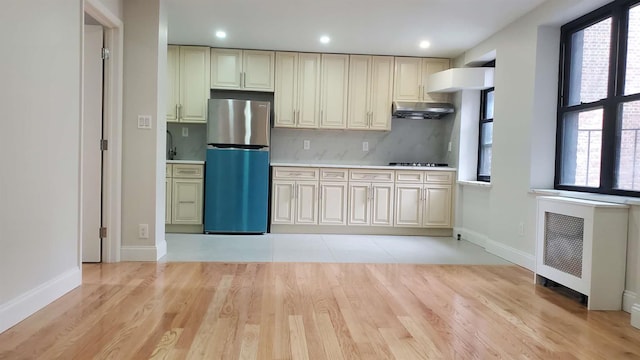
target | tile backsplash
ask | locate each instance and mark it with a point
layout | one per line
(408, 141)
(191, 147)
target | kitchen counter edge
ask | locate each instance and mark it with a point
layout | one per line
(376, 167)
(192, 162)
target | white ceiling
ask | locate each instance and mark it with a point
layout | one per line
(384, 27)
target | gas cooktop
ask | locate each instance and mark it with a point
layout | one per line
(418, 164)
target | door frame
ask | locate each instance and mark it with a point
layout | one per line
(112, 131)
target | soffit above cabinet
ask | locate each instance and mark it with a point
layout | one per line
(457, 79)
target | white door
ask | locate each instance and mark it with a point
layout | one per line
(91, 154)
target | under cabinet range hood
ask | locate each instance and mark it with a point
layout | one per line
(420, 110)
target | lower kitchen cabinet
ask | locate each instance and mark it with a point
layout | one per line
(184, 194)
(362, 197)
(423, 199)
(333, 196)
(294, 196)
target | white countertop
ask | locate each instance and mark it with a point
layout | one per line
(377, 167)
(193, 162)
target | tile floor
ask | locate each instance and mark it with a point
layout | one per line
(326, 248)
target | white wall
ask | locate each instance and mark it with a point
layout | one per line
(526, 81)
(145, 41)
(39, 185)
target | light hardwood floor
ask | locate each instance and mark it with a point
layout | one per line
(316, 311)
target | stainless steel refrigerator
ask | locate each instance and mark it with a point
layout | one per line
(237, 167)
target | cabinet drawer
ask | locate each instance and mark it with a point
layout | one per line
(371, 175)
(438, 177)
(187, 171)
(294, 173)
(168, 170)
(410, 177)
(334, 174)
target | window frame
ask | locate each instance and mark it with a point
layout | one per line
(482, 121)
(618, 11)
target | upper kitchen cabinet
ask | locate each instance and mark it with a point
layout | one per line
(370, 92)
(235, 69)
(411, 76)
(187, 83)
(334, 87)
(297, 90)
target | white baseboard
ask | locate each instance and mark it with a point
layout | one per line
(628, 299)
(25, 305)
(635, 316)
(144, 252)
(471, 236)
(506, 252)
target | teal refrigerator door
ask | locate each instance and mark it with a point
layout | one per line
(236, 191)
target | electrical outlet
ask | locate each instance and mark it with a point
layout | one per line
(521, 229)
(185, 131)
(143, 231)
(449, 146)
(144, 121)
(306, 144)
(365, 146)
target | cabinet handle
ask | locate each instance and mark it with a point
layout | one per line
(370, 193)
(321, 118)
(298, 117)
(244, 84)
(241, 80)
(177, 113)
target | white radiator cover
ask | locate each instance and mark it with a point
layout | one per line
(582, 245)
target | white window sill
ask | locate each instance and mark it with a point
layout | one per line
(587, 196)
(480, 184)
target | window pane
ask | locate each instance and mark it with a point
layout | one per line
(632, 81)
(488, 107)
(486, 141)
(581, 148)
(589, 72)
(628, 170)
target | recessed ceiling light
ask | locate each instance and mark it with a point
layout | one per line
(424, 44)
(221, 34)
(325, 39)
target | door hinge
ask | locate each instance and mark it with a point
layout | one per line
(103, 232)
(104, 144)
(105, 54)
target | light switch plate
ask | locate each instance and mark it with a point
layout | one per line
(144, 121)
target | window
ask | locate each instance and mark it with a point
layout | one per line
(486, 135)
(598, 135)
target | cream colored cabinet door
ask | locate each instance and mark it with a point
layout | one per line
(286, 89)
(194, 84)
(437, 211)
(173, 82)
(334, 89)
(283, 204)
(359, 115)
(187, 202)
(226, 68)
(408, 79)
(409, 205)
(359, 204)
(432, 66)
(307, 113)
(168, 185)
(381, 92)
(258, 70)
(370, 92)
(306, 202)
(382, 204)
(333, 203)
